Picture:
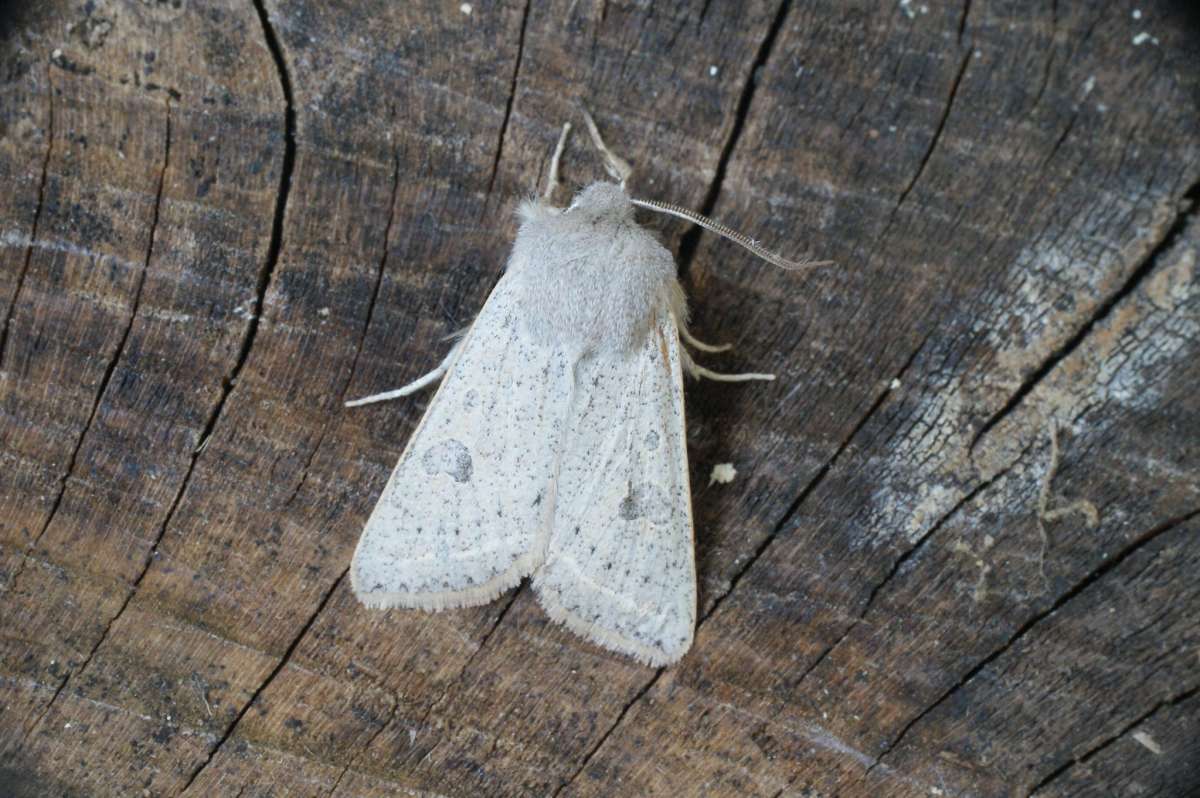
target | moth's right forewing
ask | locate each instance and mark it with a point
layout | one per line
(466, 512)
(620, 568)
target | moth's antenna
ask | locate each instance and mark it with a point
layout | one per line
(552, 180)
(620, 169)
(617, 166)
(733, 235)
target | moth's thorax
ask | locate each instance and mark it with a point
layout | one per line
(590, 278)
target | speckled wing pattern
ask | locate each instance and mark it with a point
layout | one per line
(620, 568)
(467, 511)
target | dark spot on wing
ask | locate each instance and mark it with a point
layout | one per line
(448, 457)
(645, 501)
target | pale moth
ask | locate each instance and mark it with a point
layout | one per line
(555, 447)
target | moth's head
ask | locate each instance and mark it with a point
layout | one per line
(602, 201)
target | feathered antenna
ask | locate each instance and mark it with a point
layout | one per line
(620, 169)
(740, 239)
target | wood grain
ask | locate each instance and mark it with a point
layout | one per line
(224, 218)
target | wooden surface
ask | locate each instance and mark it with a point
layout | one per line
(222, 217)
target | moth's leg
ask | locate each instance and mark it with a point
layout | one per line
(617, 166)
(691, 341)
(700, 371)
(696, 370)
(413, 386)
(552, 179)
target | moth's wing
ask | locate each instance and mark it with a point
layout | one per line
(467, 510)
(620, 567)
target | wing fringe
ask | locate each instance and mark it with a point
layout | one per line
(451, 599)
(606, 638)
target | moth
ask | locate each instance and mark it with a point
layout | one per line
(555, 447)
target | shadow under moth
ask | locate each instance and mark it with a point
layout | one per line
(555, 446)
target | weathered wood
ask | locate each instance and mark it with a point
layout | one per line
(139, 295)
(225, 218)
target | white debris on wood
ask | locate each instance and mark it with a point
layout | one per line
(1148, 742)
(723, 474)
(246, 309)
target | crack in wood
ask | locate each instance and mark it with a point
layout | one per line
(937, 525)
(37, 218)
(158, 195)
(473, 656)
(1059, 141)
(279, 666)
(395, 698)
(1108, 741)
(691, 239)
(112, 363)
(937, 132)
(437, 702)
(383, 261)
(1173, 232)
(1048, 68)
(1129, 550)
(813, 484)
(365, 747)
(906, 556)
(273, 250)
(512, 96)
(362, 338)
(933, 142)
(962, 20)
(587, 760)
(275, 242)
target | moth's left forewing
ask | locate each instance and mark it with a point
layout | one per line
(620, 567)
(466, 512)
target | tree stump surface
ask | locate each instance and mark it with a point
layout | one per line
(223, 218)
